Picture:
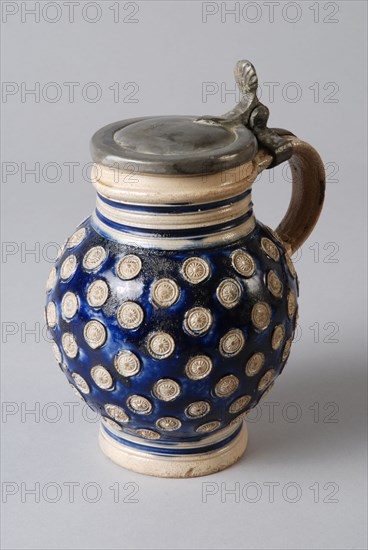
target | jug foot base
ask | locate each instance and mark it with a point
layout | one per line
(188, 464)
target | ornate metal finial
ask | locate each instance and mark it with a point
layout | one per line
(246, 77)
(247, 81)
(254, 115)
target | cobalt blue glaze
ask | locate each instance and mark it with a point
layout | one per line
(158, 264)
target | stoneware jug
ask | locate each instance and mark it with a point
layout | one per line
(172, 309)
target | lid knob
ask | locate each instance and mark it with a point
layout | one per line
(247, 81)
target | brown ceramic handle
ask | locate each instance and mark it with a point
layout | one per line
(308, 191)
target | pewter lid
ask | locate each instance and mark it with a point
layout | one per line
(188, 145)
(172, 145)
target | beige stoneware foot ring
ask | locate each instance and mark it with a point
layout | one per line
(182, 461)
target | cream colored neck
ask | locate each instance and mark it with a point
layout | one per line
(169, 212)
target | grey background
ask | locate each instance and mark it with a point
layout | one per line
(169, 53)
